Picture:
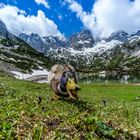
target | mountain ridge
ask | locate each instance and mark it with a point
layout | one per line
(77, 41)
(122, 56)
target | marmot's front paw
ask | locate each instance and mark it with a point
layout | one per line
(73, 95)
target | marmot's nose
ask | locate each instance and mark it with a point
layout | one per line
(77, 88)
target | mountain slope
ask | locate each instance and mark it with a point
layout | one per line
(17, 55)
(108, 56)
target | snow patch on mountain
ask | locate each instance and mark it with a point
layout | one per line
(100, 47)
(137, 54)
(103, 46)
(29, 76)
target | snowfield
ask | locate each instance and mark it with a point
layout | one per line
(31, 76)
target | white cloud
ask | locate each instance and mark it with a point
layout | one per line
(43, 2)
(86, 18)
(17, 21)
(108, 16)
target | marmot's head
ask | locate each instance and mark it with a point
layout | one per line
(68, 81)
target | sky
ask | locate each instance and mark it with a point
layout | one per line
(65, 17)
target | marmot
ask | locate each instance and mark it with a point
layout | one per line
(63, 81)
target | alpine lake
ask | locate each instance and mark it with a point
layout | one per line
(110, 78)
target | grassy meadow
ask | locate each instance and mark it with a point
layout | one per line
(104, 111)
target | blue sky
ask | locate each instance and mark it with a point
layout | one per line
(66, 20)
(64, 17)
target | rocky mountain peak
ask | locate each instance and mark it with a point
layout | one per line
(3, 29)
(5, 34)
(138, 33)
(120, 36)
(83, 39)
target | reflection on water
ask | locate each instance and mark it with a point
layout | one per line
(110, 78)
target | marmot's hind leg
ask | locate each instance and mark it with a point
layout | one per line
(55, 97)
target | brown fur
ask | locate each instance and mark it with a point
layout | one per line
(54, 79)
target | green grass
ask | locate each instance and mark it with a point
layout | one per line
(104, 111)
